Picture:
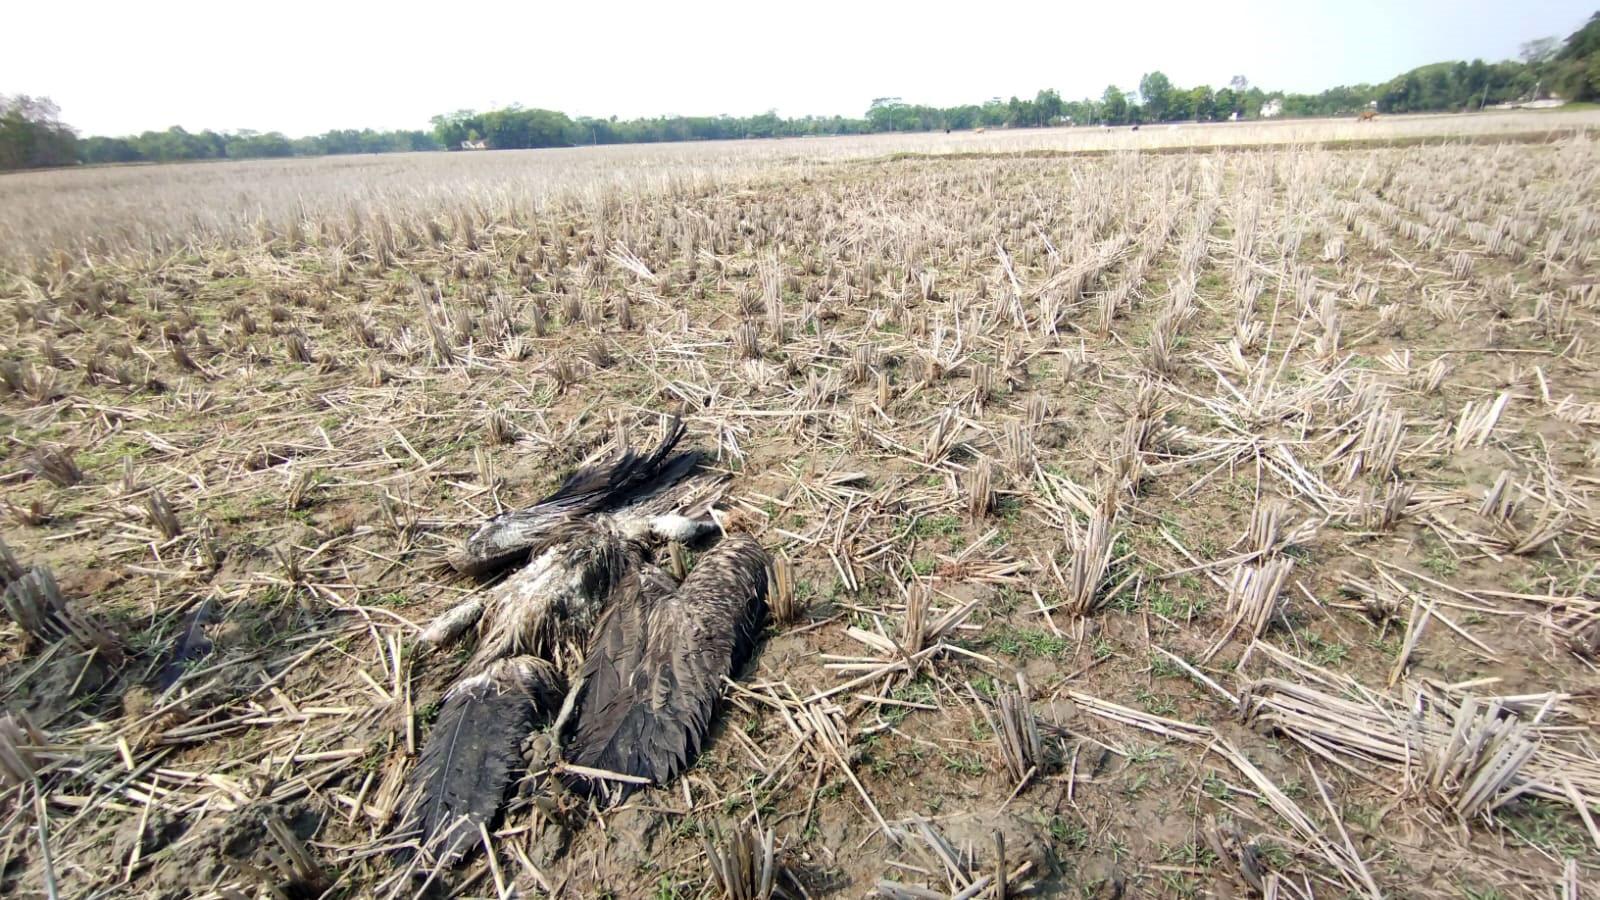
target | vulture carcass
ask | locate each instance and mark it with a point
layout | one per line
(649, 680)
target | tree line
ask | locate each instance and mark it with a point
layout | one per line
(32, 135)
(1571, 70)
(177, 144)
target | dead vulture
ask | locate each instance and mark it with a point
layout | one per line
(653, 670)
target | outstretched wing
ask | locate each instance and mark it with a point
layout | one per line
(623, 479)
(474, 752)
(653, 675)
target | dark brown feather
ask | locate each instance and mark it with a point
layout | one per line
(652, 678)
(192, 645)
(474, 752)
(507, 538)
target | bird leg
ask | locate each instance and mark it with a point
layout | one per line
(545, 797)
(451, 624)
(682, 529)
(569, 705)
(540, 752)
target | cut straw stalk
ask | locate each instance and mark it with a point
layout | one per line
(744, 863)
(1090, 548)
(1478, 753)
(1253, 593)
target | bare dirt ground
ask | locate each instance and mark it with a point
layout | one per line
(1215, 524)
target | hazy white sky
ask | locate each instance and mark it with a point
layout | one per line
(305, 67)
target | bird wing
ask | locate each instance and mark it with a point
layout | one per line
(653, 674)
(623, 479)
(474, 752)
(690, 494)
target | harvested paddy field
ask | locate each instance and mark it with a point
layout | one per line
(1205, 524)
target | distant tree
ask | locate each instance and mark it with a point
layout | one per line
(994, 113)
(962, 117)
(1155, 91)
(1590, 89)
(1584, 42)
(1577, 75)
(108, 150)
(887, 114)
(1538, 50)
(1251, 102)
(1477, 81)
(252, 145)
(1436, 88)
(31, 134)
(1227, 103)
(519, 128)
(1019, 113)
(451, 129)
(1047, 106)
(1114, 105)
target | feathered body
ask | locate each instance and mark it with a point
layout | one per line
(193, 644)
(653, 675)
(549, 606)
(570, 544)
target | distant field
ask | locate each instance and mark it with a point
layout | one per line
(165, 206)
